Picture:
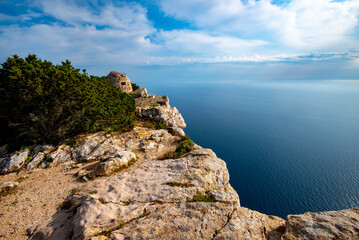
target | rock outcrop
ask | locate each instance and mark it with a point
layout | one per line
(133, 189)
(158, 109)
(120, 80)
(342, 224)
(185, 198)
(14, 161)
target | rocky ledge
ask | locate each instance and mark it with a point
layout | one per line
(129, 187)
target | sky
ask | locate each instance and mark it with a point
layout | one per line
(308, 39)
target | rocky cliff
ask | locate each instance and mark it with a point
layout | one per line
(127, 186)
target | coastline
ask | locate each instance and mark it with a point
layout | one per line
(189, 197)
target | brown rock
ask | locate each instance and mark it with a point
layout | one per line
(120, 80)
(342, 224)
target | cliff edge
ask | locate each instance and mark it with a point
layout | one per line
(128, 186)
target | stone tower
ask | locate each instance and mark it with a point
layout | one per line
(120, 80)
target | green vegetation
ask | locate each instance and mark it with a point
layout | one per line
(160, 126)
(186, 145)
(179, 184)
(207, 197)
(167, 155)
(135, 86)
(45, 103)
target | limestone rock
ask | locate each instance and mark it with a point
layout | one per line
(120, 80)
(14, 162)
(6, 186)
(170, 117)
(140, 93)
(40, 153)
(36, 161)
(158, 109)
(176, 131)
(62, 155)
(342, 224)
(108, 166)
(83, 149)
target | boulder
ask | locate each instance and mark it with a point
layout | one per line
(6, 186)
(83, 149)
(108, 166)
(142, 92)
(342, 224)
(35, 161)
(14, 162)
(62, 155)
(176, 131)
(41, 152)
(120, 80)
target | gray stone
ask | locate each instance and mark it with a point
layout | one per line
(83, 149)
(176, 131)
(61, 155)
(15, 161)
(142, 92)
(35, 161)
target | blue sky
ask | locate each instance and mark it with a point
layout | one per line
(278, 36)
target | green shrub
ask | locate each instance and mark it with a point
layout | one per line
(160, 126)
(186, 145)
(206, 197)
(135, 86)
(45, 103)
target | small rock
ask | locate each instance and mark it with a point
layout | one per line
(176, 131)
(5, 186)
(84, 148)
(142, 92)
(61, 155)
(35, 161)
(14, 162)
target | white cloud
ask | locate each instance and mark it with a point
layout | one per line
(299, 24)
(226, 31)
(115, 34)
(201, 43)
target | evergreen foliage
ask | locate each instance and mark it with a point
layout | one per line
(135, 86)
(45, 103)
(186, 145)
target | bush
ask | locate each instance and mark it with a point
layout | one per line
(160, 126)
(186, 145)
(135, 86)
(45, 103)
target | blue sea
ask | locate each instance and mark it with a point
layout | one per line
(290, 146)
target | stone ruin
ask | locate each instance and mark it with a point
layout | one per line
(120, 80)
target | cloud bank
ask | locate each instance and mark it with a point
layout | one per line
(123, 32)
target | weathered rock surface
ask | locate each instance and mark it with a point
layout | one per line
(161, 199)
(342, 224)
(141, 92)
(5, 186)
(158, 109)
(40, 153)
(61, 156)
(135, 195)
(13, 162)
(120, 80)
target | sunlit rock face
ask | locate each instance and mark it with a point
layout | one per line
(120, 80)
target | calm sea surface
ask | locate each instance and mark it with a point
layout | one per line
(290, 146)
